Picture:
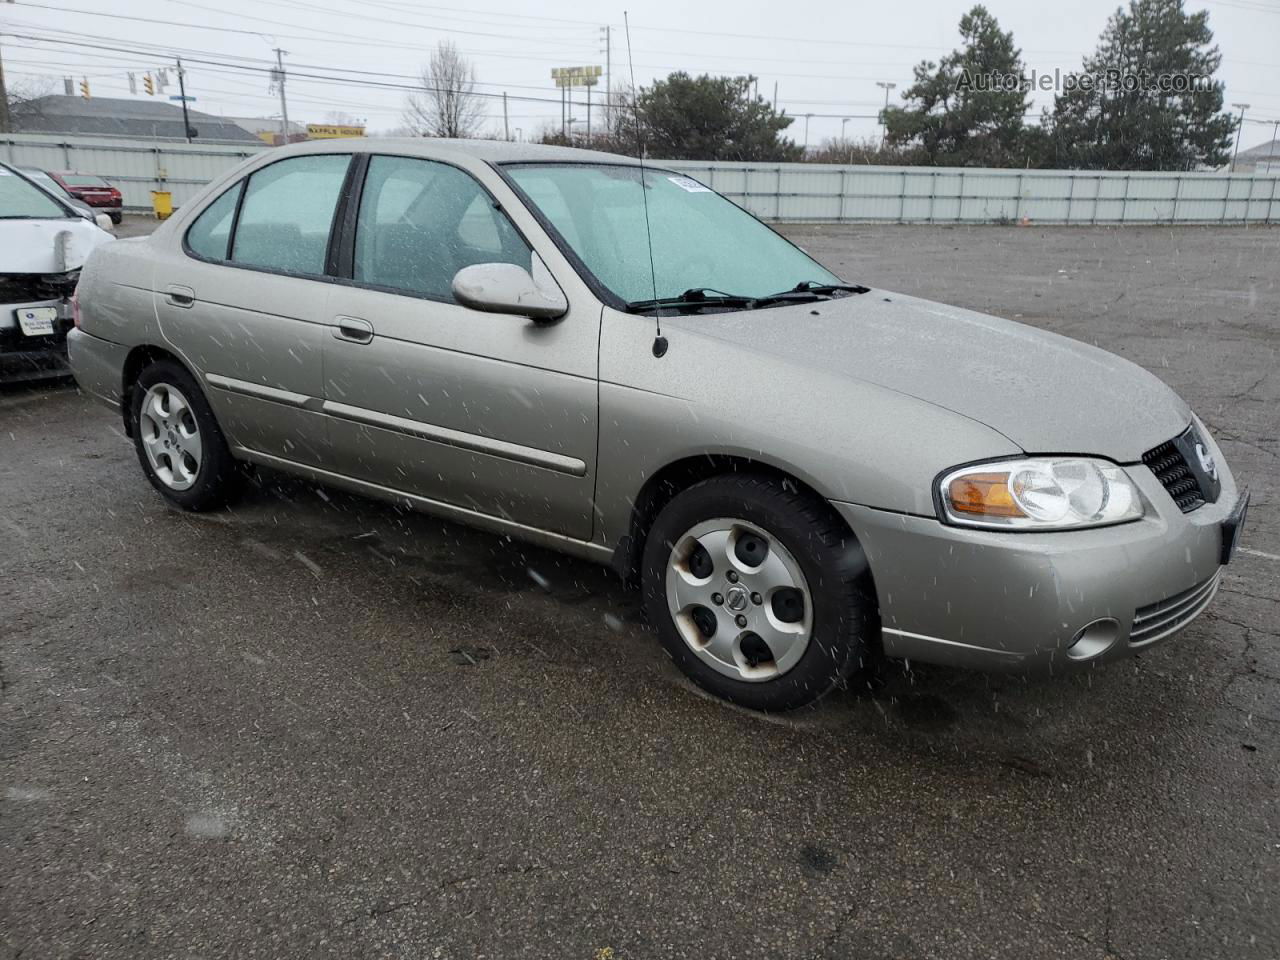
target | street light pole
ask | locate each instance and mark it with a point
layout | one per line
(608, 79)
(884, 117)
(844, 139)
(1240, 126)
(806, 133)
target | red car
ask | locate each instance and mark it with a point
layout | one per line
(93, 191)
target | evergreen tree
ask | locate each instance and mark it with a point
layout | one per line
(967, 109)
(1124, 111)
(712, 118)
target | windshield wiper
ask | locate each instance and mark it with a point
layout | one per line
(808, 290)
(693, 298)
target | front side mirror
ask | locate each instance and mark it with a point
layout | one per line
(507, 288)
(103, 221)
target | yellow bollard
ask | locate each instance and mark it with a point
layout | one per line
(162, 203)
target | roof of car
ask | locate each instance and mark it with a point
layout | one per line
(492, 151)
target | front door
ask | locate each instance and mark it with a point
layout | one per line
(492, 414)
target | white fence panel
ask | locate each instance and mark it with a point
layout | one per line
(835, 192)
(134, 167)
(772, 191)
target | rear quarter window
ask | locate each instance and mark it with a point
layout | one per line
(208, 236)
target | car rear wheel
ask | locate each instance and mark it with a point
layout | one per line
(178, 441)
(758, 592)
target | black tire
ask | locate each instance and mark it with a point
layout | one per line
(116, 217)
(219, 478)
(845, 621)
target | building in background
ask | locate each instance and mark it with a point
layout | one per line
(267, 129)
(1264, 158)
(122, 117)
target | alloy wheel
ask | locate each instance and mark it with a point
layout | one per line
(170, 436)
(739, 599)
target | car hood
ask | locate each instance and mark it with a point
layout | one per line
(37, 246)
(1045, 392)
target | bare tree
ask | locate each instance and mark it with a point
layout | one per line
(448, 105)
(25, 100)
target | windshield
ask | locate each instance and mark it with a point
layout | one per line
(700, 239)
(42, 179)
(20, 199)
(83, 180)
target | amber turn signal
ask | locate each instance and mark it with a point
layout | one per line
(984, 494)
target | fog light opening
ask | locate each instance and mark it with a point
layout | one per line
(1093, 639)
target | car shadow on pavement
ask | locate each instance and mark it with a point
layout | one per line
(1033, 726)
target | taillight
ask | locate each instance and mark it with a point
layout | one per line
(75, 308)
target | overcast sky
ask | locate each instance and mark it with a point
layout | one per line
(824, 57)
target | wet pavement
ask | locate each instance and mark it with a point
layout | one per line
(318, 726)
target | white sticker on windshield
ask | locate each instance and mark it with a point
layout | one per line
(689, 185)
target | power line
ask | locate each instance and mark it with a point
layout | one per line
(340, 37)
(260, 65)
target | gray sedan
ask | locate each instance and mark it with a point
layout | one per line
(801, 474)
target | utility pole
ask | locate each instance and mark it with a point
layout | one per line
(182, 92)
(884, 117)
(284, 106)
(775, 96)
(5, 120)
(588, 89)
(806, 133)
(506, 130)
(1239, 126)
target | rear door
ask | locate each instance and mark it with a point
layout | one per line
(244, 300)
(493, 414)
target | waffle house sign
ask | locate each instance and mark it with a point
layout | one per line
(329, 131)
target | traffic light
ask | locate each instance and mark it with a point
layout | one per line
(149, 85)
(84, 87)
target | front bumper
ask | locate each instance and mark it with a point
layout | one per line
(33, 358)
(1016, 601)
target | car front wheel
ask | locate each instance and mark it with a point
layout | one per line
(758, 592)
(178, 441)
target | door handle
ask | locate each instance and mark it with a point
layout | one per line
(179, 295)
(353, 330)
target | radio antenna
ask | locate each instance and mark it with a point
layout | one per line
(659, 341)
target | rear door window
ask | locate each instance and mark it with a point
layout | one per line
(287, 212)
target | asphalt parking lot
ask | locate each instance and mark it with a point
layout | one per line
(316, 726)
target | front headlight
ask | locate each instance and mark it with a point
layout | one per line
(1040, 493)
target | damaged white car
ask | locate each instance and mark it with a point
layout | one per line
(43, 244)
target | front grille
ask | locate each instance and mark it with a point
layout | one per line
(1158, 620)
(1185, 467)
(1174, 473)
(20, 288)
